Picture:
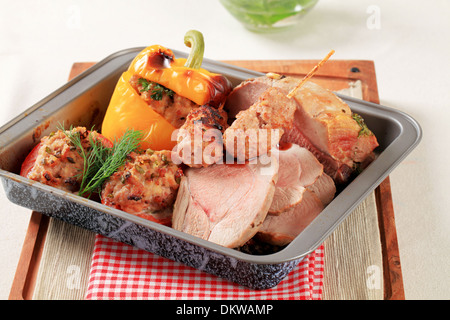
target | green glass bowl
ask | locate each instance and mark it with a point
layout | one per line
(268, 15)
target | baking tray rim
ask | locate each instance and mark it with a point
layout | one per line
(304, 243)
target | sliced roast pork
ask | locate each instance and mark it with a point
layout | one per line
(323, 123)
(327, 127)
(247, 92)
(225, 204)
(314, 188)
(298, 170)
(281, 229)
(324, 188)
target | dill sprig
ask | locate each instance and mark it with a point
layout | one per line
(100, 161)
(109, 160)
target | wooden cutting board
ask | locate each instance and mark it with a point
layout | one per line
(334, 75)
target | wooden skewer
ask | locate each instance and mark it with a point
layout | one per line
(310, 74)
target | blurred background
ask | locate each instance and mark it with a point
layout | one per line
(407, 40)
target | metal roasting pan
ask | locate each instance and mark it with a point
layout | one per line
(83, 101)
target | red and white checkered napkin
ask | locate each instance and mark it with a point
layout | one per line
(120, 271)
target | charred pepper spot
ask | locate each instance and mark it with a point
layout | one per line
(160, 59)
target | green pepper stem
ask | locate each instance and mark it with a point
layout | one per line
(194, 40)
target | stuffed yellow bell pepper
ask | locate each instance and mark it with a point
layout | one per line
(158, 91)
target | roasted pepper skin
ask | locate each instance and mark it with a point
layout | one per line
(127, 110)
(158, 64)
